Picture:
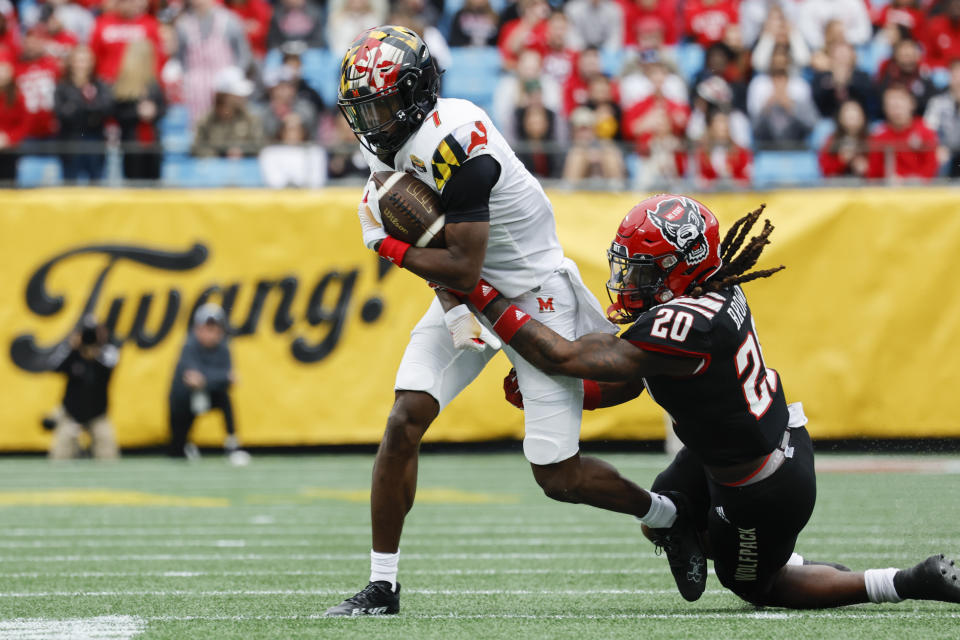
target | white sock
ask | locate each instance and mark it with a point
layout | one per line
(796, 560)
(879, 583)
(383, 566)
(662, 513)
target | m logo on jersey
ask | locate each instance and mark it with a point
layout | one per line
(681, 225)
(546, 304)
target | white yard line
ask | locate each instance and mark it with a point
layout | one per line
(99, 628)
(187, 573)
(429, 541)
(353, 557)
(854, 613)
(219, 593)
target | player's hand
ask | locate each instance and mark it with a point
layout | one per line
(511, 389)
(467, 332)
(373, 232)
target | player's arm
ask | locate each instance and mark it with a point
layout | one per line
(465, 199)
(613, 393)
(595, 356)
(458, 264)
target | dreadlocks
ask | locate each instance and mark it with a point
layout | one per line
(735, 266)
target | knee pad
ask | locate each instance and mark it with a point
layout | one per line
(415, 377)
(543, 451)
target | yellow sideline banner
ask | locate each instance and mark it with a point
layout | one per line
(863, 325)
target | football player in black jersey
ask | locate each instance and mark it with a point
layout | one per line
(746, 472)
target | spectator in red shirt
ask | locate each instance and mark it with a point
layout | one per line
(13, 120)
(255, 15)
(942, 38)
(651, 14)
(113, 31)
(663, 152)
(844, 154)
(559, 59)
(903, 13)
(37, 75)
(706, 20)
(640, 120)
(59, 41)
(526, 32)
(903, 145)
(576, 89)
(719, 158)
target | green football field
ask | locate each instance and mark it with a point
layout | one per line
(150, 548)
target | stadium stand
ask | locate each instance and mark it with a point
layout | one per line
(785, 168)
(473, 73)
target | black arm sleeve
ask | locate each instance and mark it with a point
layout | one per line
(466, 196)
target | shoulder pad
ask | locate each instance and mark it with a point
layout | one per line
(676, 328)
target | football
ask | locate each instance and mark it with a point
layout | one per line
(409, 209)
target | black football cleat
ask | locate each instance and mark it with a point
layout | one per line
(936, 578)
(375, 599)
(684, 553)
(824, 563)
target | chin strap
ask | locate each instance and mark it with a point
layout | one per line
(617, 315)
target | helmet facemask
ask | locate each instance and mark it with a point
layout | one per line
(637, 282)
(384, 120)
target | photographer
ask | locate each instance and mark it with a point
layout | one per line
(87, 360)
(201, 381)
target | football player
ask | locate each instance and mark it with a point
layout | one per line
(499, 225)
(747, 465)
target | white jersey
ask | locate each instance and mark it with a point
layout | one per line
(523, 249)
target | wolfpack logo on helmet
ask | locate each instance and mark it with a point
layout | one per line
(682, 226)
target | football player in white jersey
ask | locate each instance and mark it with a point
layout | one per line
(499, 226)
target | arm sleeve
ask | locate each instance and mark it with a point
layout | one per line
(466, 196)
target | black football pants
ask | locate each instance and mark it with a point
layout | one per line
(182, 417)
(753, 529)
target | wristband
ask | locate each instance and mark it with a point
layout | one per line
(591, 395)
(510, 322)
(483, 295)
(393, 250)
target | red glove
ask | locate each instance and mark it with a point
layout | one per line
(511, 389)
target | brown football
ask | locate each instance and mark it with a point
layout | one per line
(409, 209)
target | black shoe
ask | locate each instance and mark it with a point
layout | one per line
(936, 578)
(824, 563)
(376, 599)
(684, 553)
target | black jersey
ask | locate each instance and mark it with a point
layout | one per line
(732, 409)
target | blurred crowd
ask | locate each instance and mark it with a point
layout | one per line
(658, 90)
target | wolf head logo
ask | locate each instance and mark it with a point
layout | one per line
(681, 224)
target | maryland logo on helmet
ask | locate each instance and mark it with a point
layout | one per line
(374, 59)
(388, 84)
(681, 224)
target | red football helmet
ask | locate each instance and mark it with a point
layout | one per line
(663, 246)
